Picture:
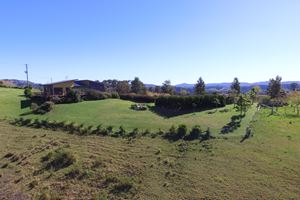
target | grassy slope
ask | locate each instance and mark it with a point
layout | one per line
(116, 113)
(10, 105)
(263, 167)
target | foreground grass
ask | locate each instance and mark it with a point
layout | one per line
(263, 167)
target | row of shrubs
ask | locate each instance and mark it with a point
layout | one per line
(182, 132)
(173, 134)
(191, 102)
(138, 98)
(90, 95)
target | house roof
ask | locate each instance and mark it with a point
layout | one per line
(60, 82)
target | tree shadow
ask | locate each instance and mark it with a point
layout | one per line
(169, 113)
(247, 135)
(25, 103)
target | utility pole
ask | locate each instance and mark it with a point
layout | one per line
(26, 72)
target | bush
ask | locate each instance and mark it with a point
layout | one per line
(28, 92)
(72, 97)
(195, 133)
(176, 134)
(77, 172)
(42, 109)
(190, 102)
(181, 131)
(34, 107)
(91, 95)
(115, 95)
(138, 98)
(207, 135)
(120, 133)
(38, 99)
(133, 133)
(57, 100)
(58, 159)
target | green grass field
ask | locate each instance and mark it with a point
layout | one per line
(115, 112)
(265, 166)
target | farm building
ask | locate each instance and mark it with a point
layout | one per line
(63, 87)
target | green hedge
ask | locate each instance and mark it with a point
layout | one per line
(138, 98)
(191, 102)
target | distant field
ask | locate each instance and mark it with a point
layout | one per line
(117, 113)
(265, 166)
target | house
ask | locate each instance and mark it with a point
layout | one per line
(63, 87)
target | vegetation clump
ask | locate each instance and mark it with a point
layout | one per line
(191, 102)
(58, 159)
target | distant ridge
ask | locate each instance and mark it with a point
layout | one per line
(20, 83)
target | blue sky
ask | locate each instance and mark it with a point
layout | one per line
(155, 40)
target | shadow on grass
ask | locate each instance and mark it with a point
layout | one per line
(169, 113)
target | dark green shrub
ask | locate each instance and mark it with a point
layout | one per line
(28, 92)
(207, 135)
(44, 108)
(34, 107)
(181, 131)
(72, 97)
(58, 159)
(122, 185)
(190, 102)
(77, 172)
(133, 133)
(138, 98)
(146, 132)
(57, 99)
(120, 133)
(96, 95)
(115, 95)
(195, 133)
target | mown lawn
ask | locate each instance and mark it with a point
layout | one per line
(266, 166)
(116, 113)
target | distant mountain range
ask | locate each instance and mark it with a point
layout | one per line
(19, 83)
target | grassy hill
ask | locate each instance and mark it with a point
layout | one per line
(42, 164)
(263, 167)
(115, 112)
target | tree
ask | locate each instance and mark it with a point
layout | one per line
(110, 85)
(123, 87)
(157, 89)
(167, 87)
(294, 86)
(253, 93)
(137, 86)
(235, 86)
(243, 104)
(28, 92)
(274, 87)
(200, 87)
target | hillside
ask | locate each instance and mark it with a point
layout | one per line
(263, 167)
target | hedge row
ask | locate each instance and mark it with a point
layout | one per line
(191, 102)
(138, 98)
(173, 134)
